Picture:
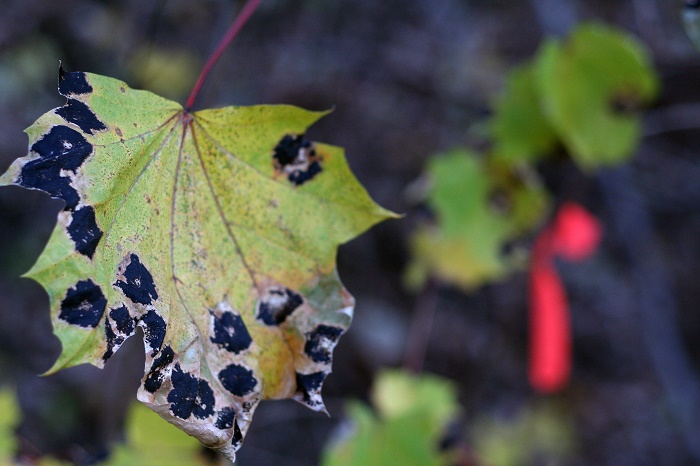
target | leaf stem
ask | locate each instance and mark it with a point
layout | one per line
(238, 23)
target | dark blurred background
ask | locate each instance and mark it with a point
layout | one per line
(406, 79)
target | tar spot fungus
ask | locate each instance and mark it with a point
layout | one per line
(309, 385)
(277, 304)
(154, 330)
(84, 232)
(79, 114)
(61, 149)
(83, 305)
(230, 333)
(122, 319)
(66, 147)
(299, 177)
(155, 376)
(296, 157)
(116, 335)
(74, 83)
(190, 396)
(225, 419)
(138, 283)
(320, 343)
(112, 340)
(237, 435)
(238, 380)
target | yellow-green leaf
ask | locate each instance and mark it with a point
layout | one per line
(539, 434)
(215, 232)
(465, 245)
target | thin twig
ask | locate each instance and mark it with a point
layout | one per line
(238, 23)
(418, 335)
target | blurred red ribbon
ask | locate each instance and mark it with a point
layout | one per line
(574, 235)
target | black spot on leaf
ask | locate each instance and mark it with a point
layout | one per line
(320, 342)
(44, 176)
(83, 305)
(84, 232)
(299, 177)
(72, 83)
(139, 286)
(225, 419)
(112, 340)
(274, 308)
(155, 375)
(118, 333)
(230, 332)
(79, 114)
(190, 395)
(238, 380)
(296, 157)
(67, 147)
(154, 330)
(237, 435)
(287, 150)
(308, 384)
(62, 148)
(122, 319)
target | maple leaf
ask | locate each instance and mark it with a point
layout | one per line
(591, 85)
(215, 232)
(412, 414)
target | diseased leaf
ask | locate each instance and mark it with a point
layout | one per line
(590, 85)
(215, 232)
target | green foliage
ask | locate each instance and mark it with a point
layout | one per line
(590, 85)
(215, 231)
(9, 417)
(537, 434)
(411, 415)
(151, 441)
(520, 130)
(478, 208)
(580, 95)
(169, 73)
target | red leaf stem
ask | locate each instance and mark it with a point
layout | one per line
(238, 23)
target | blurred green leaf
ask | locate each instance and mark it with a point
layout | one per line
(478, 211)
(519, 128)
(151, 441)
(9, 417)
(543, 434)
(170, 73)
(412, 415)
(590, 85)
